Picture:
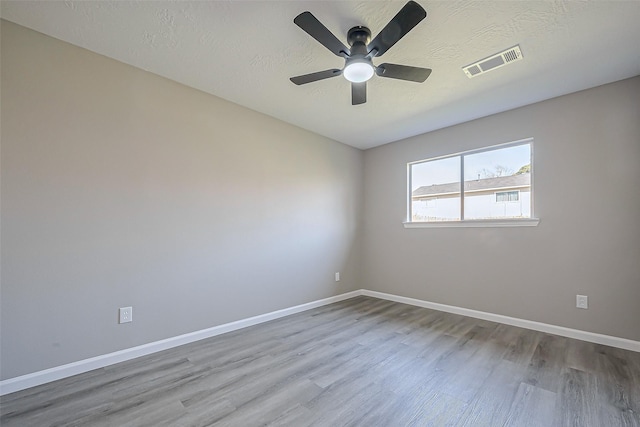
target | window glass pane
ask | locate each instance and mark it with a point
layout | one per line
(435, 190)
(497, 183)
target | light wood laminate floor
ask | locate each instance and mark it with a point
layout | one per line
(360, 362)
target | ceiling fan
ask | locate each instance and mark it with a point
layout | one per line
(358, 67)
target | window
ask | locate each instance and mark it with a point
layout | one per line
(430, 203)
(493, 183)
(507, 196)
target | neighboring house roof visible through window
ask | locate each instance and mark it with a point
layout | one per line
(485, 184)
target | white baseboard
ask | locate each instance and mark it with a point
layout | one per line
(623, 343)
(12, 385)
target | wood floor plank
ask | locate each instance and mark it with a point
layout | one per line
(267, 406)
(617, 388)
(429, 407)
(578, 401)
(491, 405)
(298, 415)
(532, 406)
(359, 362)
(547, 362)
(205, 409)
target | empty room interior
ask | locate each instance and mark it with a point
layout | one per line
(277, 213)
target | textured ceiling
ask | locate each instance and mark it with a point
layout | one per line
(245, 52)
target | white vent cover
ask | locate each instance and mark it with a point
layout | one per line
(494, 61)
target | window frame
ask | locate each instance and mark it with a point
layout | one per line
(503, 222)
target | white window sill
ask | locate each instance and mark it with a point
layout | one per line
(520, 222)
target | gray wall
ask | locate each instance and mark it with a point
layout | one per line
(123, 188)
(586, 183)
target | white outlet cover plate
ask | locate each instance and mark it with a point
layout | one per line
(582, 301)
(126, 314)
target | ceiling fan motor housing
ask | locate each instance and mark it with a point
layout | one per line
(359, 34)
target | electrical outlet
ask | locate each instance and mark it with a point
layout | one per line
(126, 314)
(338, 276)
(582, 301)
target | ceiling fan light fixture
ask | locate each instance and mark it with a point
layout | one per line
(358, 71)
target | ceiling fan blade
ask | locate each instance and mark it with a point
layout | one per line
(314, 77)
(358, 93)
(408, 17)
(315, 29)
(403, 72)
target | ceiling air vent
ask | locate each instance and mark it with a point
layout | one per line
(492, 62)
